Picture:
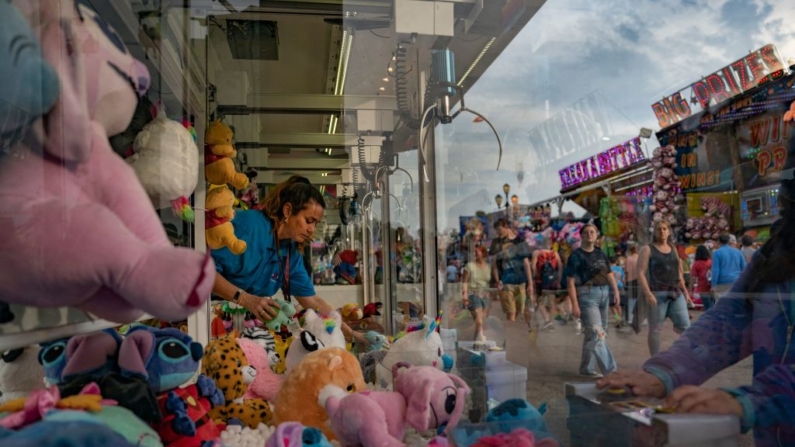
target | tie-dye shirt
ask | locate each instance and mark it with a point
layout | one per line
(740, 325)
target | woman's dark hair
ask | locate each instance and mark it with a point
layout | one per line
(297, 191)
(775, 261)
(702, 253)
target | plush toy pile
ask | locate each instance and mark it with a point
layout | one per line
(714, 222)
(666, 186)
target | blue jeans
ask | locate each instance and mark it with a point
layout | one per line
(675, 309)
(594, 303)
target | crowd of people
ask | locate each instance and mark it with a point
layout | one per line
(746, 293)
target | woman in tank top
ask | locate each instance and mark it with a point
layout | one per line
(662, 285)
(475, 289)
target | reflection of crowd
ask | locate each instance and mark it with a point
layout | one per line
(749, 310)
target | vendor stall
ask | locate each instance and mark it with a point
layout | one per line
(730, 145)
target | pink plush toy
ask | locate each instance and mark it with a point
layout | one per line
(82, 231)
(424, 398)
(267, 383)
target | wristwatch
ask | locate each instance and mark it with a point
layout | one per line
(238, 294)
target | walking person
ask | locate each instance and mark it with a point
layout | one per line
(631, 270)
(748, 249)
(545, 270)
(475, 289)
(700, 275)
(727, 264)
(508, 252)
(591, 283)
(617, 267)
(662, 285)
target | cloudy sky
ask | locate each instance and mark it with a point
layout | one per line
(625, 53)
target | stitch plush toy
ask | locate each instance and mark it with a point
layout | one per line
(167, 359)
(219, 169)
(90, 237)
(93, 355)
(225, 362)
(218, 217)
(166, 160)
(298, 398)
(318, 332)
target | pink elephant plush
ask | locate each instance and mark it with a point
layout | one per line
(78, 228)
(267, 383)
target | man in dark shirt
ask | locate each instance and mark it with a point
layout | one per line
(507, 253)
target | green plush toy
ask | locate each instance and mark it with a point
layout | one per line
(286, 312)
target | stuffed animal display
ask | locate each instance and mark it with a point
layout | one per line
(166, 161)
(226, 363)
(507, 423)
(666, 186)
(267, 341)
(298, 398)
(93, 354)
(91, 239)
(318, 332)
(219, 169)
(218, 216)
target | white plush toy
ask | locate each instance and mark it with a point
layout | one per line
(318, 332)
(422, 347)
(20, 373)
(166, 161)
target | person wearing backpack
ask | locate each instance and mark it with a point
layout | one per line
(701, 277)
(546, 269)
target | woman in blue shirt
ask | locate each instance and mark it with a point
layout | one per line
(287, 220)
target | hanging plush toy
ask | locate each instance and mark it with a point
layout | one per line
(219, 169)
(166, 160)
(90, 237)
(218, 216)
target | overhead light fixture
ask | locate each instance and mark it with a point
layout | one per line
(386, 79)
(605, 138)
(342, 73)
(381, 88)
(324, 174)
(389, 69)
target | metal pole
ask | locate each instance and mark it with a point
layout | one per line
(388, 299)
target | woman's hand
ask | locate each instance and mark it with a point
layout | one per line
(651, 299)
(694, 399)
(640, 382)
(265, 309)
(575, 309)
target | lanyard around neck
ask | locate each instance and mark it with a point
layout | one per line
(285, 269)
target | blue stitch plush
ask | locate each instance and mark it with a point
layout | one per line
(92, 355)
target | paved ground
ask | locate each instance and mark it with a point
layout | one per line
(555, 360)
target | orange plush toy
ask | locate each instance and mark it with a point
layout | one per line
(219, 169)
(298, 398)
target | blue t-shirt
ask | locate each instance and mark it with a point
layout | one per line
(618, 273)
(258, 270)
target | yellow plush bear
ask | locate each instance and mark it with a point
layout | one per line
(218, 216)
(219, 169)
(225, 362)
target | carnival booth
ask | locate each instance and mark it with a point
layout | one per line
(730, 144)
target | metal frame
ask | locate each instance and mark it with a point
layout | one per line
(308, 104)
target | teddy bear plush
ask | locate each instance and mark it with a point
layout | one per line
(218, 216)
(166, 161)
(226, 364)
(219, 169)
(298, 398)
(90, 237)
(317, 332)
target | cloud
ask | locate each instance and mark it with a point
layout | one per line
(631, 53)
